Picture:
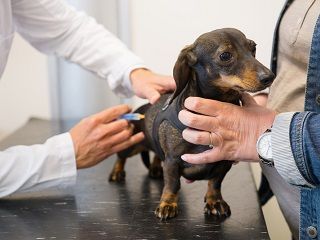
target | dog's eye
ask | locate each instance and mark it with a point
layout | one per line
(225, 56)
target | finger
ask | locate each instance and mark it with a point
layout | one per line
(154, 98)
(119, 137)
(114, 127)
(200, 122)
(111, 114)
(200, 137)
(152, 94)
(247, 99)
(208, 156)
(128, 143)
(206, 106)
(168, 84)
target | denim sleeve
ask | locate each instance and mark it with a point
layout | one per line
(296, 147)
(283, 153)
(305, 143)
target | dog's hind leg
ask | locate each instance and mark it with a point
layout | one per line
(118, 174)
(155, 169)
(215, 205)
(168, 206)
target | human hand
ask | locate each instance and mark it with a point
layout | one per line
(261, 99)
(101, 135)
(234, 129)
(149, 85)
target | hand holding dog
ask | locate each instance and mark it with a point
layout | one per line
(149, 85)
(234, 129)
(101, 135)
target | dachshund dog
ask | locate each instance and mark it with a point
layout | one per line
(219, 65)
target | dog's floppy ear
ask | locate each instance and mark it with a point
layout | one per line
(182, 71)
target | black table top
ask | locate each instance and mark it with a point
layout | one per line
(97, 209)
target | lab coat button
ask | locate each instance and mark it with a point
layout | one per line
(312, 231)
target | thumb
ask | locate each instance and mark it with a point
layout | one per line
(170, 84)
(247, 100)
(111, 113)
(152, 95)
(208, 156)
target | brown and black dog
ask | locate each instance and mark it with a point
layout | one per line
(218, 65)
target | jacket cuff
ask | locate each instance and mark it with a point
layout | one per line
(282, 154)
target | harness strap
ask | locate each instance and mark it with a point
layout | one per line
(169, 113)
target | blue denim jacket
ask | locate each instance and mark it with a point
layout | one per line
(304, 140)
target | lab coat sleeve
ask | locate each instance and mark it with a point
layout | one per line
(53, 26)
(36, 167)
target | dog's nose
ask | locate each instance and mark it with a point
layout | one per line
(267, 79)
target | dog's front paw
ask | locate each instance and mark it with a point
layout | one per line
(218, 208)
(117, 176)
(166, 210)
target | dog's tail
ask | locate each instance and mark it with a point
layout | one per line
(145, 158)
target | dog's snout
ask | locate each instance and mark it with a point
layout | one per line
(267, 79)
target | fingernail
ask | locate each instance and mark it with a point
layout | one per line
(183, 157)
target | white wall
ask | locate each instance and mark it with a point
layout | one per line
(23, 87)
(91, 93)
(160, 29)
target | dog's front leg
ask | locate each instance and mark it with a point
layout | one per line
(215, 204)
(155, 170)
(168, 206)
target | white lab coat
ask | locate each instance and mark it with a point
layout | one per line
(52, 26)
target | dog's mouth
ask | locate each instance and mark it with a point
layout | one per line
(242, 84)
(239, 89)
(251, 89)
(189, 181)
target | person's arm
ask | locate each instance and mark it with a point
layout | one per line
(53, 26)
(31, 168)
(261, 99)
(54, 163)
(235, 131)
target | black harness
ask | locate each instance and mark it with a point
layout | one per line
(169, 112)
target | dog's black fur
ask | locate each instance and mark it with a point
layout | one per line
(218, 65)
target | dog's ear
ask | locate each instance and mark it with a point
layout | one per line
(182, 71)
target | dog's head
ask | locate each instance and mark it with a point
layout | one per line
(224, 60)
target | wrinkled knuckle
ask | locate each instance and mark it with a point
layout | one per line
(205, 159)
(192, 121)
(93, 121)
(199, 138)
(106, 147)
(96, 136)
(99, 132)
(218, 140)
(123, 124)
(196, 104)
(128, 133)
